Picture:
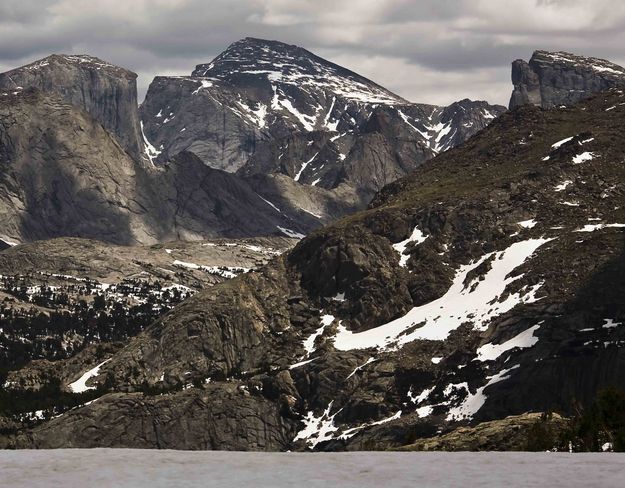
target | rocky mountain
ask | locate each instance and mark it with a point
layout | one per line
(487, 283)
(551, 79)
(107, 92)
(63, 174)
(265, 107)
(78, 162)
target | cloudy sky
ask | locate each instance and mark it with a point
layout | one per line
(427, 51)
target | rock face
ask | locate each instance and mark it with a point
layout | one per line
(265, 107)
(486, 284)
(551, 79)
(220, 417)
(107, 92)
(63, 174)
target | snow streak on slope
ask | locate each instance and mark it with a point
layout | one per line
(474, 401)
(80, 385)
(477, 302)
(417, 237)
(490, 352)
(150, 151)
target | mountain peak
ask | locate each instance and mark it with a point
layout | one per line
(251, 60)
(551, 79)
(603, 66)
(106, 91)
(82, 61)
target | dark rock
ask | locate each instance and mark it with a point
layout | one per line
(217, 417)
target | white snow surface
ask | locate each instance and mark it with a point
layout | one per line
(556, 145)
(138, 468)
(417, 237)
(80, 385)
(474, 401)
(303, 167)
(594, 227)
(527, 224)
(150, 151)
(203, 84)
(490, 352)
(270, 204)
(563, 186)
(583, 157)
(224, 271)
(309, 344)
(359, 368)
(8, 242)
(478, 302)
(290, 233)
(610, 324)
(318, 429)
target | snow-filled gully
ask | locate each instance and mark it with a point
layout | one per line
(478, 302)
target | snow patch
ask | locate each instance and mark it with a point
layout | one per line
(477, 302)
(317, 429)
(309, 344)
(556, 145)
(527, 224)
(290, 233)
(610, 324)
(203, 84)
(583, 157)
(80, 385)
(563, 186)
(150, 151)
(417, 237)
(594, 227)
(490, 352)
(474, 401)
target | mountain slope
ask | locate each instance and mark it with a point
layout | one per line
(107, 92)
(551, 79)
(487, 283)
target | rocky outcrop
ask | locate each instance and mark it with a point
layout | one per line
(107, 92)
(224, 417)
(528, 432)
(64, 174)
(552, 79)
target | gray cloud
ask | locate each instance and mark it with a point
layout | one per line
(433, 51)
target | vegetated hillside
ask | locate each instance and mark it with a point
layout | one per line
(61, 295)
(487, 283)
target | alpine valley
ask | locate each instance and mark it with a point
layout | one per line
(276, 253)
